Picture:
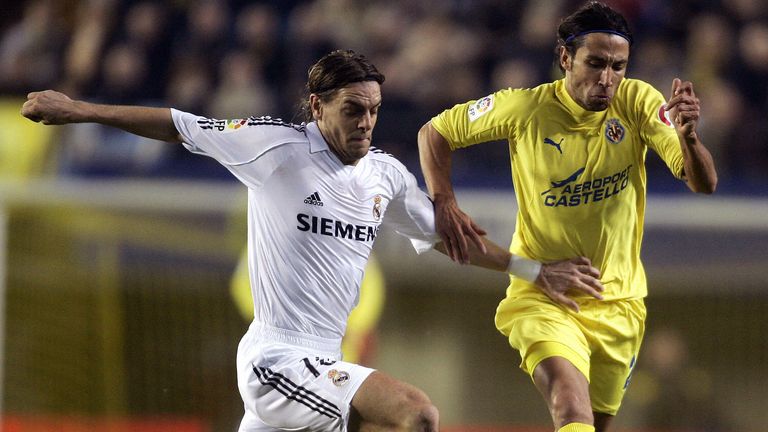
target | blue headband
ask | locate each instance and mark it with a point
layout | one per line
(614, 32)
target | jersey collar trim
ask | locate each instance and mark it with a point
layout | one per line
(316, 141)
(580, 114)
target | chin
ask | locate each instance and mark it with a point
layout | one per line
(599, 106)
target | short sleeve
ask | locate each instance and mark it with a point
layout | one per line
(249, 148)
(489, 118)
(412, 215)
(657, 130)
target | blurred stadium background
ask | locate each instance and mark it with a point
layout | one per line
(116, 252)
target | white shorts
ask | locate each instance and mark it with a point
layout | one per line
(294, 381)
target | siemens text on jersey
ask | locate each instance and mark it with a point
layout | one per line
(336, 228)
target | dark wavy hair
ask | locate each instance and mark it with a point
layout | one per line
(333, 72)
(593, 16)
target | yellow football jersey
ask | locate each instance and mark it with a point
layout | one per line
(579, 175)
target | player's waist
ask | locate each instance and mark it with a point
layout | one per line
(613, 290)
(318, 344)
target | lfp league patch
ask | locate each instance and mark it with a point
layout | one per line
(480, 107)
(234, 124)
(614, 131)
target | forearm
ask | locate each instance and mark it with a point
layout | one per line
(499, 259)
(150, 122)
(496, 258)
(435, 158)
(699, 166)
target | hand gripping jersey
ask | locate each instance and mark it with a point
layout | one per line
(579, 175)
(311, 220)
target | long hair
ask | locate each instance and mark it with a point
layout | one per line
(333, 72)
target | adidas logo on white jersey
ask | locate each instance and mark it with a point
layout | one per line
(314, 199)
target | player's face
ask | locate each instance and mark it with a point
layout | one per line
(347, 120)
(593, 74)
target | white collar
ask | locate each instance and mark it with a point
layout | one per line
(316, 141)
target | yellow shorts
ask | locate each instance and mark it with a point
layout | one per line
(602, 340)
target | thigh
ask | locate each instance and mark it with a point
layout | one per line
(384, 403)
(288, 389)
(540, 329)
(616, 346)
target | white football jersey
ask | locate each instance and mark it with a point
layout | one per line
(311, 219)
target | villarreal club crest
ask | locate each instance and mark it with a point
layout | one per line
(614, 131)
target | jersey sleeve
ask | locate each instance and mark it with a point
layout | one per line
(490, 118)
(657, 129)
(412, 215)
(246, 149)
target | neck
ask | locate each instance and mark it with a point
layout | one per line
(571, 93)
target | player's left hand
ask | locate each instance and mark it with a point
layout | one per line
(557, 278)
(684, 108)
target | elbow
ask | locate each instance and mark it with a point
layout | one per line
(176, 138)
(711, 184)
(710, 188)
(707, 187)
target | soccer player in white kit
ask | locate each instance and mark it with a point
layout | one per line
(317, 194)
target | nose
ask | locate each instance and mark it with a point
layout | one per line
(606, 77)
(366, 121)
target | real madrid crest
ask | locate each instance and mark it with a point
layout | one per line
(614, 131)
(377, 207)
(338, 377)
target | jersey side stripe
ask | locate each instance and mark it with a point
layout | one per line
(209, 123)
(297, 393)
(266, 120)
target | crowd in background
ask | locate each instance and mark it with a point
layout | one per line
(234, 59)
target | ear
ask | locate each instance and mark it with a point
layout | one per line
(315, 106)
(566, 61)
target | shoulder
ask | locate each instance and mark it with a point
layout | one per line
(263, 132)
(635, 90)
(515, 96)
(540, 93)
(380, 157)
(384, 162)
(500, 100)
(543, 91)
(264, 124)
(522, 101)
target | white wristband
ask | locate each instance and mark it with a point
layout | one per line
(524, 268)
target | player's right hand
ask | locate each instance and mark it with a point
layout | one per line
(49, 107)
(557, 278)
(454, 226)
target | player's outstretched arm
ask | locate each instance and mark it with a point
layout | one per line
(684, 108)
(554, 279)
(53, 108)
(455, 227)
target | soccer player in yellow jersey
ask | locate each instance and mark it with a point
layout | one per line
(577, 148)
